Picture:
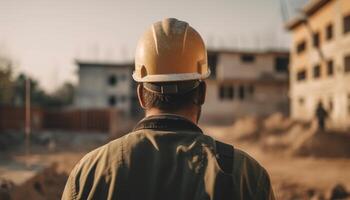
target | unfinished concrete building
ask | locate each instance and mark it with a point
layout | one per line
(106, 85)
(245, 83)
(320, 61)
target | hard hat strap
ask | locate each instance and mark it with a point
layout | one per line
(172, 87)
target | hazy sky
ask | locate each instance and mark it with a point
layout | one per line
(45, 36)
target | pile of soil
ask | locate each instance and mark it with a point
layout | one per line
(258, 128)
(247, 128)
(48, 184)
(325, 144)
(289, 139)
(277, 123)
(277, 132)
(243, 129)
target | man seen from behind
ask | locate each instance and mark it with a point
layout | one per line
(167, 156)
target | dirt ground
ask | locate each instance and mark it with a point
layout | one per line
(293, 177)
(307, 173)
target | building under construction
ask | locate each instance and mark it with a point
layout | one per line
(320, 61)
(246, 83)
(106, 85)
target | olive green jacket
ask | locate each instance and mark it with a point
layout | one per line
(166, 157)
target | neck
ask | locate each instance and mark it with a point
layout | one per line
(188, 114)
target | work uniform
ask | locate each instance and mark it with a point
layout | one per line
(168, 157)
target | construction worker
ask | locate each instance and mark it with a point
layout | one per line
(167, 156)
(321, 115)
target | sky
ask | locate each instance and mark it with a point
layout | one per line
(45, 37)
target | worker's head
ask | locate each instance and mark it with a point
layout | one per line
(320, 103)
(170, 66)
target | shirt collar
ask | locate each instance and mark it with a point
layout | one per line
(167, 122)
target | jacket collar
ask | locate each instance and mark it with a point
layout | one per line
(167, 122)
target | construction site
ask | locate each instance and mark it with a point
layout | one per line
(288, 107)
(303, 163)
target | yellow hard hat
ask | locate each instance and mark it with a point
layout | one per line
(170, 50)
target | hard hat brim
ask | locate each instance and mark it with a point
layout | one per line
(171, 77)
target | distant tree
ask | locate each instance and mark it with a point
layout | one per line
(63, 96)
(6, 82)
(12, 90)
(37, 95)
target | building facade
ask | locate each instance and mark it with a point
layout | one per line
(106, 85)
(245, 83)
(320, 61)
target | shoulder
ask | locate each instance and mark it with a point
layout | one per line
(243, 157)
(244, 162)
(100, 163)
(251, 173)
(110, 154)
(101, 153)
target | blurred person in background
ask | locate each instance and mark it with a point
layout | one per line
(321, 115)
(167, 156)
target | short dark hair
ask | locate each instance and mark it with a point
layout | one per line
(171, 102)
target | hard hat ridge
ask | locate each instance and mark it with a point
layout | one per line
(173, 26)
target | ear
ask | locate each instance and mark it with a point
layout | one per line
(202, 92)
(140, 96)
